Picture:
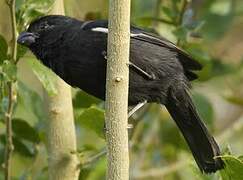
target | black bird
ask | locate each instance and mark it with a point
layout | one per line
(159, 72)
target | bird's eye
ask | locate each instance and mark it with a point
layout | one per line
(44, 26)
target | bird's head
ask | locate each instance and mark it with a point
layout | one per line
(44, 30)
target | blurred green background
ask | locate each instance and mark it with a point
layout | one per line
(209, 30)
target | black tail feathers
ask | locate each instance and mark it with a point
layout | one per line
(202, 145)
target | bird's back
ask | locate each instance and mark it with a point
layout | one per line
(78, 57)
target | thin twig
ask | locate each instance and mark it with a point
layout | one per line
(94, 158)
(9, 142)
(11, 99)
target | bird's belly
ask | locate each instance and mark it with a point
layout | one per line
(140, 89)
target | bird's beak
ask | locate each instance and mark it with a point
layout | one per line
(27, 38)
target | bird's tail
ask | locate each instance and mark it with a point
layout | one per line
(202, 145)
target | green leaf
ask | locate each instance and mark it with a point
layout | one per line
(93, 118)
(1, 158)
(241, 158)
(181, 33)
(3, 49)
(233, 168)
(19, 4)
(220, 68)
(24, 131)
(21, 50)
(31, 103)
(21, 148)
(198, 53)
(87, 147)
(9, 70)
(203, 57)
(216, 25)
(84, 100)
(144, 22)
(169, 12)
(46, 77)
(98, 170)
(4, 104)
(198, 175)
(234, 99)
(35, 13)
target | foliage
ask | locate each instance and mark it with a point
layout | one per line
(233, 168)
(156, 143)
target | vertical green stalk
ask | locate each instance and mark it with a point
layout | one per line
(11, 97)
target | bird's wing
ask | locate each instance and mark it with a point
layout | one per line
(136, 33)
(186, 60)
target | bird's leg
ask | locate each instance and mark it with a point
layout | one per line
(134, 109)
(149, 76)
(141, 104)
(130, 64)
(137, 107)
(130, 113)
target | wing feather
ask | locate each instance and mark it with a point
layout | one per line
(188, 63)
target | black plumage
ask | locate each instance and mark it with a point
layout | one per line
(75, 51)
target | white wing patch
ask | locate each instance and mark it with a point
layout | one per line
(139, 34)
(100, 29)
(105, 30)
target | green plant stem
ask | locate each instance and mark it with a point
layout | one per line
(11, 97)
(9, 142)
(94, 158)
